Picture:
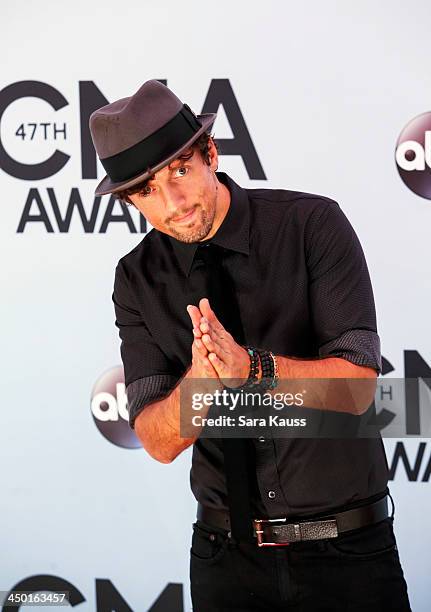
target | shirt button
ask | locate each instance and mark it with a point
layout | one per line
(271, 494)
(262, 439)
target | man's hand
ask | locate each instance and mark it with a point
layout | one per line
(228, 359)
(201, 366)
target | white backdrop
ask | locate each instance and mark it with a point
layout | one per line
(324, 89)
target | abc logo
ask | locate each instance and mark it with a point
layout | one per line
(413, 155)
(109, 409)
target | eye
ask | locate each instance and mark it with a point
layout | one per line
(146, 191)
(181, 170)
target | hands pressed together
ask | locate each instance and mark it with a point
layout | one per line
(215, 354)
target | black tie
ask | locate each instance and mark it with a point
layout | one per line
(238, 452)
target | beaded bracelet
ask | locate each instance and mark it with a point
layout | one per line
(269, 367)
(276, 371)
(254, 367)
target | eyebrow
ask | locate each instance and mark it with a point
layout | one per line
(181, 158)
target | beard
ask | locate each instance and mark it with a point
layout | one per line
(200, 228)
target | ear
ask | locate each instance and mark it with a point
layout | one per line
(213, 155)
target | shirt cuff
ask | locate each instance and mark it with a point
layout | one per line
(359, 346)
(145, 390)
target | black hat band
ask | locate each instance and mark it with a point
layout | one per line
(158, 146)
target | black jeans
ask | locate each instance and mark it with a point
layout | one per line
(359, 571)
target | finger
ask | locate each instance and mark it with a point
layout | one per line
(201, 347)
(212, 346)
(223, 338)
(215, 328)
(197, 332)
(208, 313)
(223, 371)
(204, 325)
(195, 316)
(207, 327)
(198, 357)
(216, 363)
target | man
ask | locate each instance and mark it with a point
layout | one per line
(284, 271)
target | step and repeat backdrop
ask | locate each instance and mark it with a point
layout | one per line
(329, 97)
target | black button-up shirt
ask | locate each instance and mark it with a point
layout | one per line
(303, 290)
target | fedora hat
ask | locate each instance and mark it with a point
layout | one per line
(135, 137)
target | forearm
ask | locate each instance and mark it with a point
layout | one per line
(158, 425)
(331, 383)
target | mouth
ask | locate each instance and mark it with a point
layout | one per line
(185, 218)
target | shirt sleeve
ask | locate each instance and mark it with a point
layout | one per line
(341, 295)
(142, 391)
(148, 373)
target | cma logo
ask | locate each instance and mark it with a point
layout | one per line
(413, 155)
(52, 210)
(417, 468)
(399, 399)
(108, 598)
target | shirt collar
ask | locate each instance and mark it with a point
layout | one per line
(232, 234)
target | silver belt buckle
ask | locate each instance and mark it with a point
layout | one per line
(258, 524)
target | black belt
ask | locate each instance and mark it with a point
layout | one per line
(281, 531)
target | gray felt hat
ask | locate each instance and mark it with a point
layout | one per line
(136, 136)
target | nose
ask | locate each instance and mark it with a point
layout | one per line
(174, 201)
